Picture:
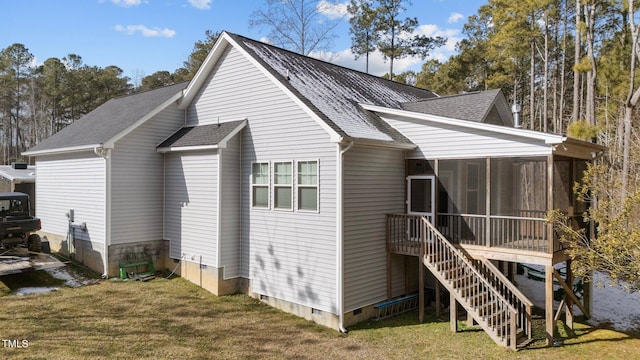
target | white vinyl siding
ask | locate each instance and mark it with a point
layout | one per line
(230, 209)
(374, 185)
(137, 182)
(190, 205)
(72, 181)
(287, 255)
(445, 141)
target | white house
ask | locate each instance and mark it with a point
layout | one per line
(272, 173)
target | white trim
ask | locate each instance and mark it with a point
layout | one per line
(547, 138)
(316, 186)
(201, 75)
(275, 185)
(430, 215)
(223, 143)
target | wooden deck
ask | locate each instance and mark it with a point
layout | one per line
(506, 238)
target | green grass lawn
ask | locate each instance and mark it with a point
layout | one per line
(174, 319)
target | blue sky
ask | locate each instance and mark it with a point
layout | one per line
(144, 36)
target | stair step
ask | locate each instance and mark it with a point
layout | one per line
(480, 298)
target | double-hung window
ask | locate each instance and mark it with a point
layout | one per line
(260, 185)
(308, 185)
(283, 185)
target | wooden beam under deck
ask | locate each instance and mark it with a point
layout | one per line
(510, 255)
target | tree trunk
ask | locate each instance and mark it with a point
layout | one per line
(561, 115)
(576, 61)
(545, 92)
(632, 100)
(589, 14)
(532, 82)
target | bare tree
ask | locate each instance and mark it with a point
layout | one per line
(633, 96)
(298, 25)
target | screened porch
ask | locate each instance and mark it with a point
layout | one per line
(497, 203)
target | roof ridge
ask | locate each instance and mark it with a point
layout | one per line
(327, 62)
(477, 92)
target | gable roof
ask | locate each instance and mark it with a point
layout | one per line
(108, 121)
(330, 92)
(481, 106)
(202, 137)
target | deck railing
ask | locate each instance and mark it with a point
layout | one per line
(509, 291)
(513, 232)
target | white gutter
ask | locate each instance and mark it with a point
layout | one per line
(219, 209)
(105, 153)
(62, 150)
(340, 232)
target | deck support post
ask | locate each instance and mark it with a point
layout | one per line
(453, 312)
(568, 299)
(388, 275)
(421, 289)
(487, 230)
(587, 295)
(548, 305)
(438, 302)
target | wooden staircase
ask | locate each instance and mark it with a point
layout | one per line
(479, 287)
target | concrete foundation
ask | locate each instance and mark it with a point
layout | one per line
(210, 278)
(324, 318)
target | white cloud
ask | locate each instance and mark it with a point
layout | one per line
(377, 64)
(454, 18)
(145, 31)
(452, 35)
(333, 10)
(128, 3)
(201, 4)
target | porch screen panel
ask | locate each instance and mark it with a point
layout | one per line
(562, 183)
(462, 193)
(463, 184)
(519, 187)
(518, 203)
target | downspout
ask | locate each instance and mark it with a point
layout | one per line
(218, 211)
(106, 155)
(340, 232)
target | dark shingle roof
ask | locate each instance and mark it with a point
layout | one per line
(201, 135)
(473, 106)
(109, 119)
(333, 92)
